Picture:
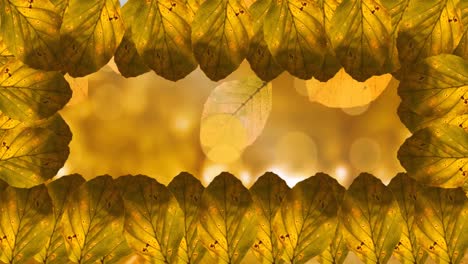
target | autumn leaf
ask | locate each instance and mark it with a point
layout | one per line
(441, 223)
(228, 225)
(268, 193)
(90, 33)
(295, 35)
(54, 250)
(360, 35)
(436, 156)
(24, 223)
(342, 91)
(162, 36)
(129, 62)
(436, 87)
(93, 220)
(154, 222)
(462, 48)
(30, 30)
(405, 191)
(307, 220)
(233, 117)
(31, 154)
(188, 191)
(414, 122)
(429, 28)
(29, 94)
(221, 32)
(371, 219)
(5, 54)
(337, 251)
(260, 58)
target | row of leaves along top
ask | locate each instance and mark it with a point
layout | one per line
(307, 38)
(409, 38)
(104, 220)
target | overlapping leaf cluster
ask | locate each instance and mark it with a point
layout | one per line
(103, 220)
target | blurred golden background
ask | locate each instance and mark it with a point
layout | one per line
(148, 125)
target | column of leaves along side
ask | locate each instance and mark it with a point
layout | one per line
(188, 191)
(436, 87)
(30, 30)
(221, 32)
(441, 223)
(371, 219)
(32, 153)
(93, 221)
(228, 224)
(24, 223)
(161, 32)
(59, 190)
(260, 58)
(268, 193)
(360, 34)
(295, 35)
(437, 156)
(462, 48)
(337, 251)
(29, 94)
(429, 28)
(405, 190)
(307, 220)
(90, 33)
(154, 222)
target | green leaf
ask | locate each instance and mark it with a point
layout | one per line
(268, 193)
(91, 32)
(93, 220)
(436, 156)
(227, 219)
(30, 30)
(5, 54)
(260, 58)
(28, 94)
(415, 122)
(233, 117)
(441, 217)
(59, 190)
(436, 87)
(462, 48)
(429, 28)
(371, 219)
(295, 35)
(307, 220)
(32, 154)
(360, 34)
(221, 32)
(128, 60)
(405, 191)
(188, 191)
(24, 223)
(154, 222)
(162, 36)
(337, 251)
